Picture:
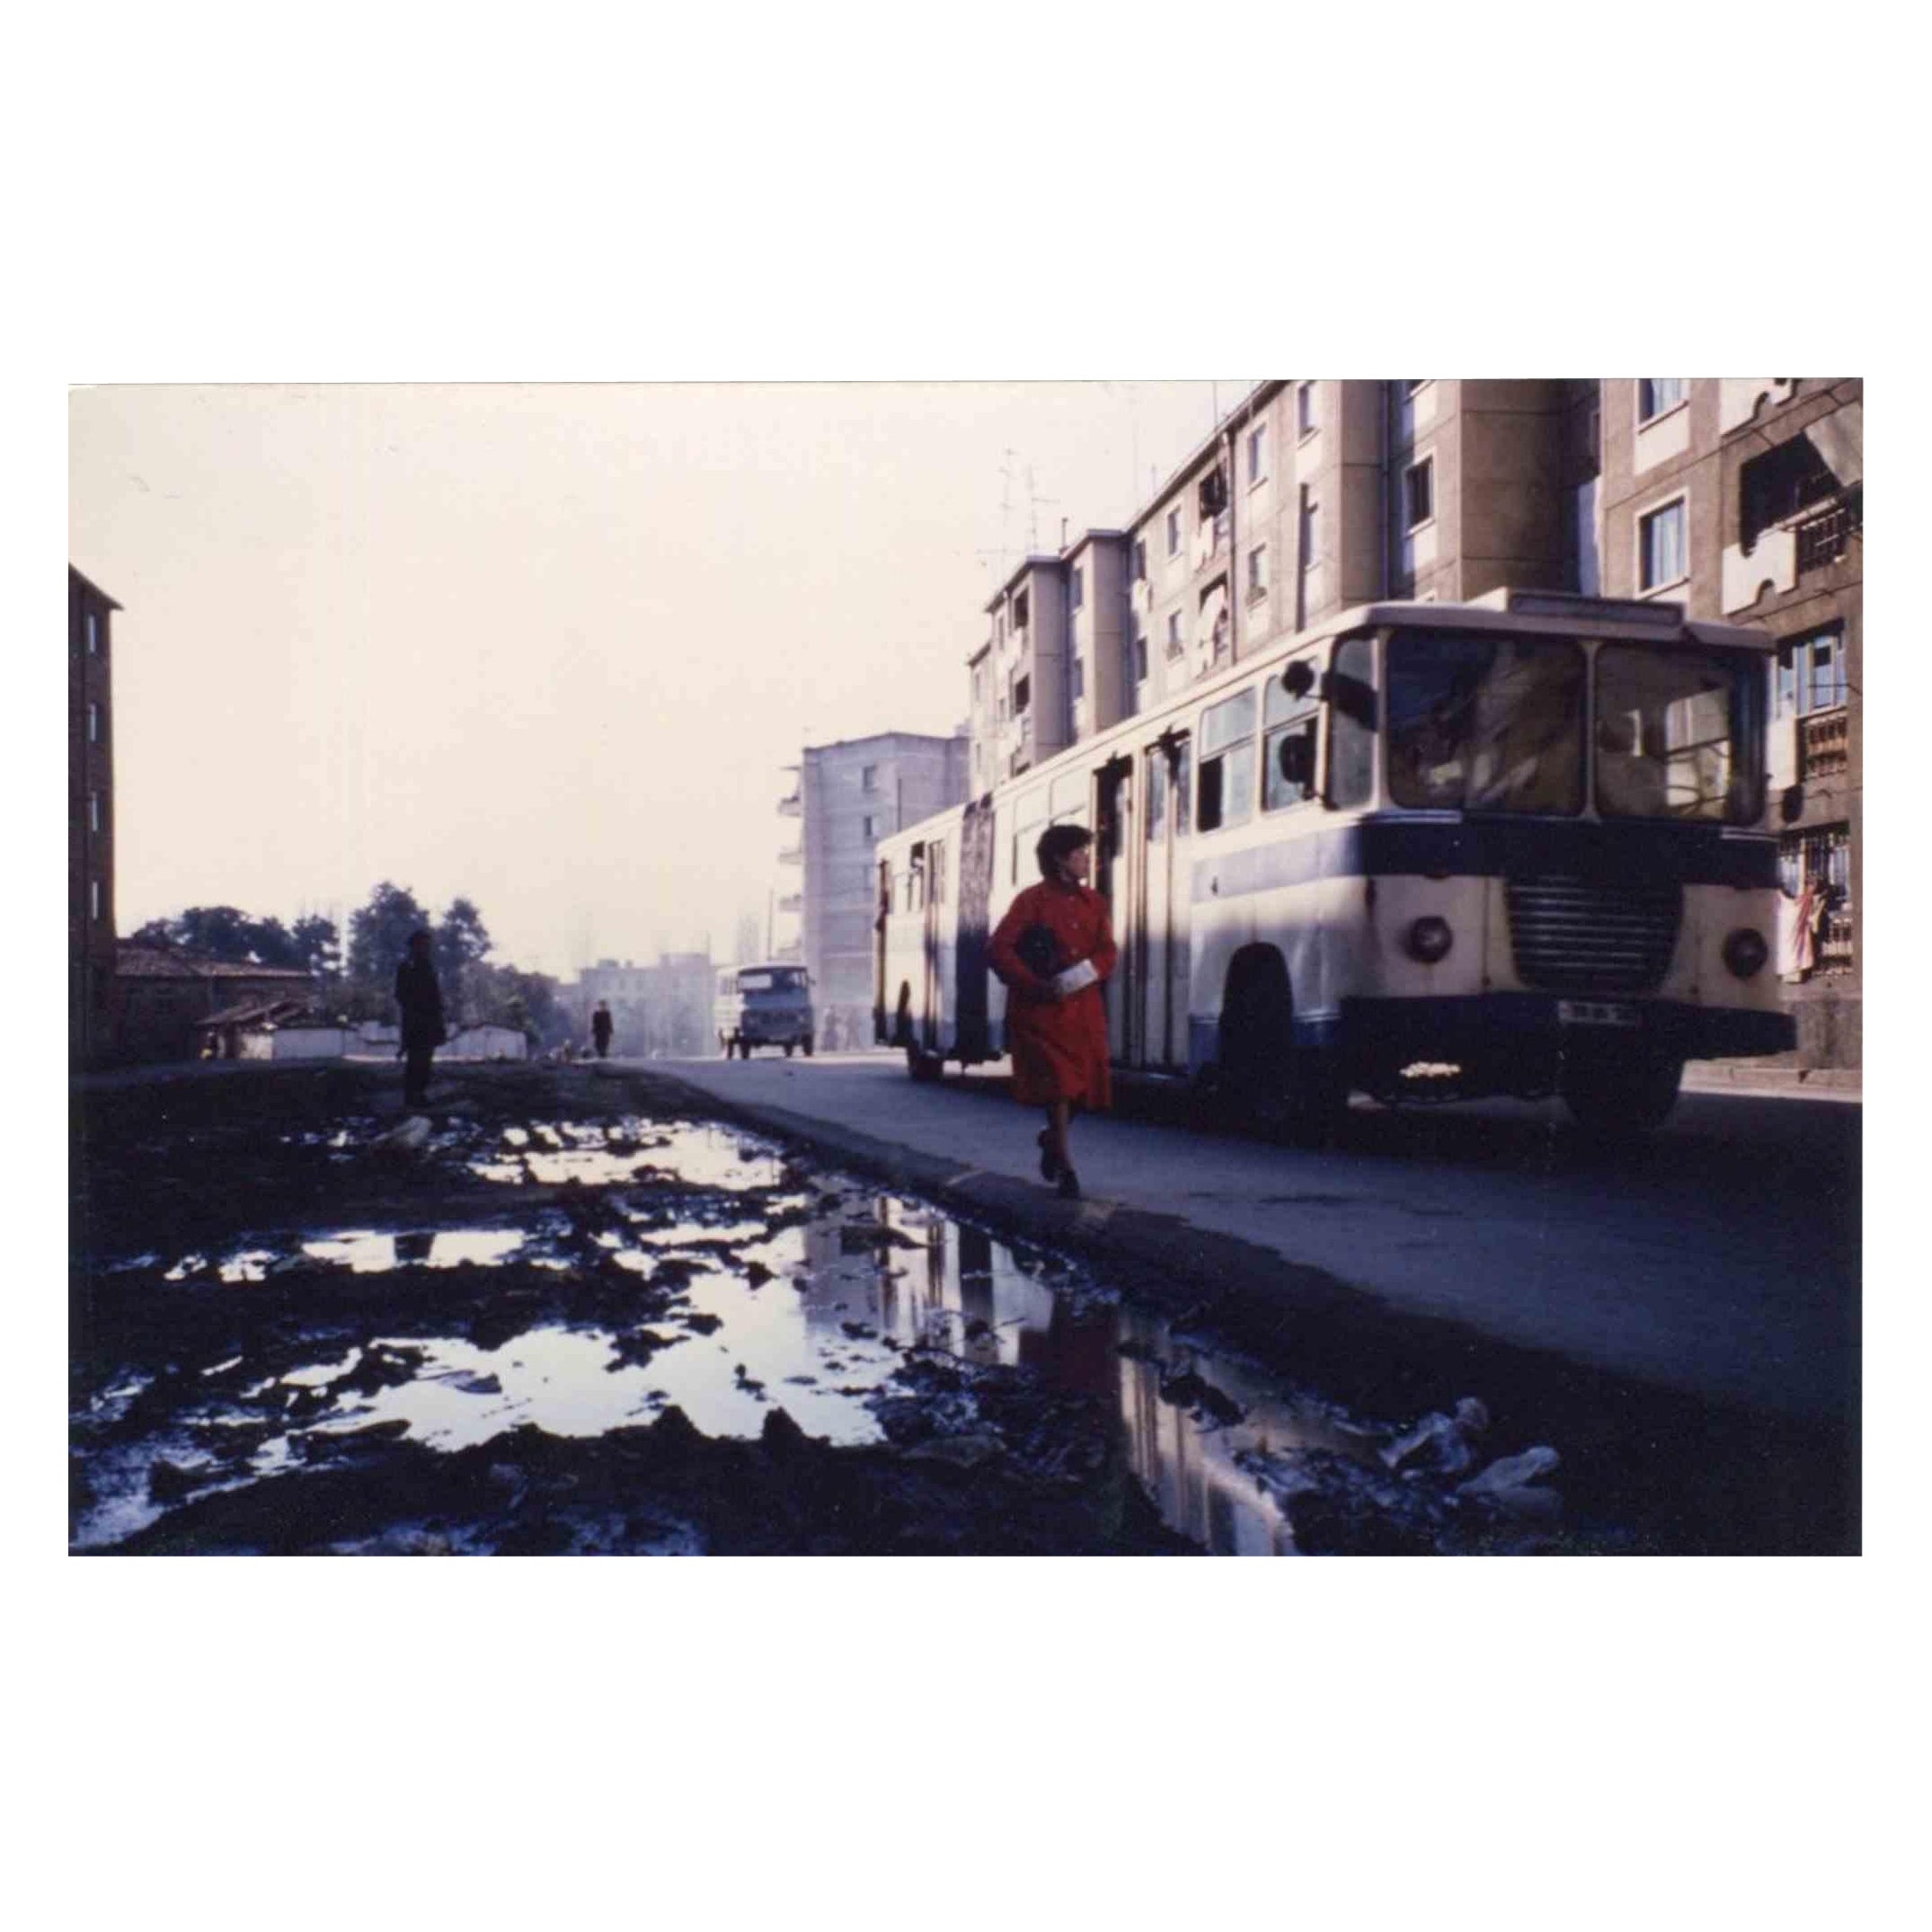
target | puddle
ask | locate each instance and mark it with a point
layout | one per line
(870, 1319)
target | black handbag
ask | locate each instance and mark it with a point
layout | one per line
(1039, 951)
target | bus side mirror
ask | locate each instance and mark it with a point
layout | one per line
(1296, 758)
(1299, 680)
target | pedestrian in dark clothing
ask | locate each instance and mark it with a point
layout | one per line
(421, 1001)
(601, 1029)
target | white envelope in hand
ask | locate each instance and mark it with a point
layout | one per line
(1070, 981)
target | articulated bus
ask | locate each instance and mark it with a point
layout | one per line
(1425, 851)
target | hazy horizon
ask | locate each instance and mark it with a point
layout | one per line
(548, 646)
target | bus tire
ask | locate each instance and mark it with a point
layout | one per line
(791, 1046)
(923, 1068)
(808, 1046)
(1614, 1099)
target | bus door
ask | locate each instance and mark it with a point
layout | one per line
(1168, 773)
(932, 1005)
(1114, 849)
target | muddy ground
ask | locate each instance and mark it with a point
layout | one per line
(560, 1315)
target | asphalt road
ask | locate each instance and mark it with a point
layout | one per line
(1721, 1259)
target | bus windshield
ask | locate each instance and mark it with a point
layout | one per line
(1486, 724)
(1679, 734)
(772, 979)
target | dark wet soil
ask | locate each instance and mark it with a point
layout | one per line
(553, 1320)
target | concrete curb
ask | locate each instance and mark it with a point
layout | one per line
(1719, 1077)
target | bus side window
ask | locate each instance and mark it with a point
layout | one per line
(1227, 763)
(1351, 701)
(1287, 750)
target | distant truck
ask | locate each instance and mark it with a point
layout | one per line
(764, 1005)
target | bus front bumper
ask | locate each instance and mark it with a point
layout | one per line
(1536, 1029)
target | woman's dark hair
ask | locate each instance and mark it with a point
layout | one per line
(1059, 842)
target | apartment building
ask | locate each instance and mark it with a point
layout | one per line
(848, 796)
(1740, 498)
(1743, 497)
(91, 939)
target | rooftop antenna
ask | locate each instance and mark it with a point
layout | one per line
(1034, 500)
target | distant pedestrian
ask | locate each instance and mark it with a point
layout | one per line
(420, 999)
(1054, 949)
(601, 1029)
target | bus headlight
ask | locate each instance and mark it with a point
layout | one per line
(1745, 951)
(1428, 939)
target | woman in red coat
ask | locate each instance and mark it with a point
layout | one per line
(1054, 949)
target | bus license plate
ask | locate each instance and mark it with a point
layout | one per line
(1595, 1013)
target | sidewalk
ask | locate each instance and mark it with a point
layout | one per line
(1758, 1077)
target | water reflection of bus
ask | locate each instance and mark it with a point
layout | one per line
(1428, 850)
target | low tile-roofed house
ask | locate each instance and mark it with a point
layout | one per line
(164, 996)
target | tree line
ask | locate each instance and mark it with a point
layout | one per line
(358, 983)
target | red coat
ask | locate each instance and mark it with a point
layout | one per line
(1058, 1046)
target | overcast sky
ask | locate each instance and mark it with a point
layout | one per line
(548, 646)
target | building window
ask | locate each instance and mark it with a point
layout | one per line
(869, 827)
(93, 898)
(93, 723)
(1022, 692)
(1304, 417)
(868, 778)
(1311, 531)
(1077, 590)
(1079, 677)
(1663, 552)
(1819, 864)
(1213, 494)
(94, 633)
(1000, 628)
(1419, 491)
(1810, 674)
(1021, 607)
(1258, 453)
(1175, 644)
(1141, 657)
(94, 811)
(1140, 558)
(1174, 531)
(1657, 394)
(1257, 572)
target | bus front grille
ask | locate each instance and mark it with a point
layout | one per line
(1576, 935)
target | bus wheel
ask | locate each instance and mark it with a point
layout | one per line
(808, 1046)
(923, 1068)
(1615, 1099)
(788, 1048)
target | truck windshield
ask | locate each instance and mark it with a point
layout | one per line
(772, 979)
(1679, 734)
(1486, 724)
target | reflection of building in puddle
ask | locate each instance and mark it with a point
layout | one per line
(363, 1251)
(918, 1276)
(1189, 1467)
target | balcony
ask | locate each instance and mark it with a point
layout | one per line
(1825, 537)
(793, 855)
(791, 808)
(1824, 744)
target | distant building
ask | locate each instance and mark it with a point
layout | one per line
(848, 796)
(90, 938)
(663, 1009)
(171, 1005)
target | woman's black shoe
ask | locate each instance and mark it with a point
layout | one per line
(1049, 1168)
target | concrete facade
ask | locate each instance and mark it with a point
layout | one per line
(850, 795)
(660, 1009)
(91, 935)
